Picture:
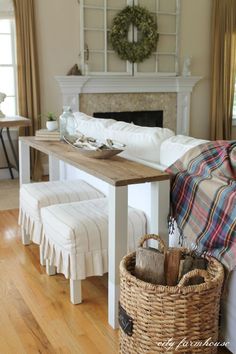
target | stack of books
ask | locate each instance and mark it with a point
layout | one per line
(44, 134)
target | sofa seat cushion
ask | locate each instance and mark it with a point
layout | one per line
(141, 142)
(75, 236)
(34, 196)
(175, 147)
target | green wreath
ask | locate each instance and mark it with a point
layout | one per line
(135, 52)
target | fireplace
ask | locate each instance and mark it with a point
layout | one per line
(114, 93)
(142, 118)
(132, 102)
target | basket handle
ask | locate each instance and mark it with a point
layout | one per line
(153, 237)
(193, 273)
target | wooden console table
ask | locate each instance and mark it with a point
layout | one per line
(7, 123)
(118, 173)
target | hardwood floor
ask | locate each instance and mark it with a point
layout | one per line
(36, 315)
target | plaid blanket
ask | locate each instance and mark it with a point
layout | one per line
(203, 199)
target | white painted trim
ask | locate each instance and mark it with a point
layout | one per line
(118, 83)
(13, 65)
(7, 15)
(117, 245)
(72, 86)
(24, 162)
(183, 113)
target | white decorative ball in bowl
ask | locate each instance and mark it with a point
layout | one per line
(52, 125)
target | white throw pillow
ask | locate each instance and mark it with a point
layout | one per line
(175, 147)
(142, 142)
(93, 127)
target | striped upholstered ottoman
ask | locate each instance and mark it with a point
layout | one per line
(75, 239)
(34, 196)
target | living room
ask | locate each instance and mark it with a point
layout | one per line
(61, 54)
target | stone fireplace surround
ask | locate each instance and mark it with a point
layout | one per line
(105, 93)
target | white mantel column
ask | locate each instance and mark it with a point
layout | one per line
(183, 113)
(72, 100)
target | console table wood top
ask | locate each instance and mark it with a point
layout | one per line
(116, 171)
(15, 121)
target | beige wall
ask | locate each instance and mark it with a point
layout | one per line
(58, 46)
(195, 26)
(58, 42)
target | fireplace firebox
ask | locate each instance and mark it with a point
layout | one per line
(142, 118)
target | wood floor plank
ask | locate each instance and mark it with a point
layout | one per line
(42, 303)
(7, 333)
(36, 315)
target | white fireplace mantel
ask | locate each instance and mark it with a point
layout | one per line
(72, 86)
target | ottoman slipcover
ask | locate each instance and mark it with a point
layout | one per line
(75, 236)
(34, 196)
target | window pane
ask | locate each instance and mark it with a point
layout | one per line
(8, 107)
(148, 65)
(166, 44)
(96, 62)
(5, 49)
(110, 16)
(94, 40)
(94, 18)
(7, 80)
(166, 63)
(149, 4)
(94, 3)
(5, 26)
(115, 64)
(117, 4)
(166, 23)
(167, 5)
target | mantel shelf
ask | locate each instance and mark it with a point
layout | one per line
(125, 83)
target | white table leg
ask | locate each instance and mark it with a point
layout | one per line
(54, 168)
(160, 201)
(24, 163)
(75, 292)
(118, 234)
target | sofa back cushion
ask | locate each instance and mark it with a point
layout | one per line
(175, 147)
(93, 127)
(141, 142)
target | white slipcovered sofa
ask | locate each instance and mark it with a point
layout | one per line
(153, 146)
(158, 148)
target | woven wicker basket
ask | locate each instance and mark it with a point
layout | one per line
(169, 319)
